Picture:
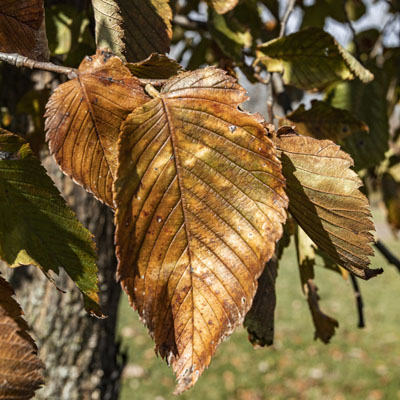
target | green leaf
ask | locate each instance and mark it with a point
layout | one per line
(325, 200)
(324, 325)
(156, 66)
(230, 35)
(311, 59)
(133, 28)
(369, 104)
(322, 121)
(36, 226)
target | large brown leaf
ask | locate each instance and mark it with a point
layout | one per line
(200, 201)
(325, 199)
(133, 28)
(22, 28)
(84, 117)
(20, 368)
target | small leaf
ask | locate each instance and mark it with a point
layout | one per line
(155, 66)
(36, 226)
(20, 368)
(260, 319)
(22, 29)
(311, 59)
(133, 28)
(323, 121)
(83, 119)
(325, 200)
(324, 325)
(223, 6)
(200, 202)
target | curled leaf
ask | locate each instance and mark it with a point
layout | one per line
(325, 200)
(260, 319)
(36, 226)
(311, 59)
(83, 120)
(22, 29)
(20, 368)
(324, 325)
(200, 202)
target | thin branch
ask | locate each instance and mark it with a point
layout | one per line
(189, 23)
(285, 18)
(20, 61)
(378, 43)
(390, 257)
(359, 301)
(346, 15)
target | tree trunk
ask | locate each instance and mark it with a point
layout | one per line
(80, 352)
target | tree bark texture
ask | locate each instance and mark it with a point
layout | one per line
(80, 352)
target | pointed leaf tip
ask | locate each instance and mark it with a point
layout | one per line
(200, 202)
(325, 199)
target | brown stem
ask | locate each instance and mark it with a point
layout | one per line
(285, 18)
(390, 257)
(346, 15)
(21, 61)
(359, 301)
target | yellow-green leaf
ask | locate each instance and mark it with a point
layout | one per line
(83, 120)
(325, 200)
(20, 368)
(311, 59)
(37, 227)
(200, 202)
(322, 121)
(223, 6)
(133, 29)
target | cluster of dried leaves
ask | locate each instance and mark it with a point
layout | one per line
(201, 189)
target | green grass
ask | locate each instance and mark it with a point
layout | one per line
(357, 364)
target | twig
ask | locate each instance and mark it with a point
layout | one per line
(390, 257)
(189, 23)
(378, 43)
(20, 61)
(285, 18)
(359, 301)
(346, 15)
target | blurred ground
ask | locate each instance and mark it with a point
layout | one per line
(357, 364)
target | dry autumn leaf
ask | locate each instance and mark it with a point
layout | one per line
(325, 199)
(133, 28)
(200, 202)
(83, 119)
(20, 368)
(22, 29)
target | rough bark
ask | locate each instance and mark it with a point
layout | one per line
(80, 352)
